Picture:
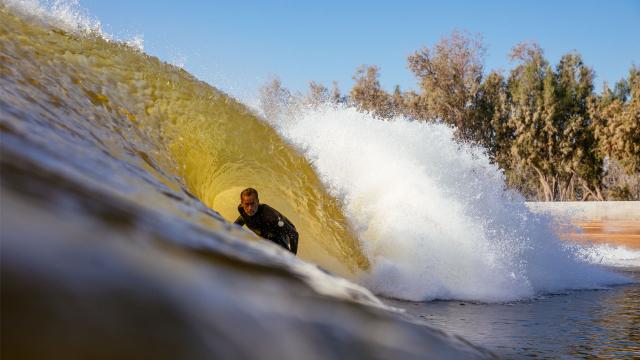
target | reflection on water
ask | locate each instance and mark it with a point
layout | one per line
(613, 232)
(578, 324)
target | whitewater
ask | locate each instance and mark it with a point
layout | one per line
(433, 214)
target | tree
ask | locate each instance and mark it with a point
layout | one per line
(368, 95)
(318, 94)
(274, 99)
(553, 129)
(491, 119)
(415, 106)
(336, 97)
(577, 156)
(397, 101)
(450, 75)
(533, 113)
(616, 126)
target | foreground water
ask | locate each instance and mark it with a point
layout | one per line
(589, 324)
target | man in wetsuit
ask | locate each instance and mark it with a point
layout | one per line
(266, 221)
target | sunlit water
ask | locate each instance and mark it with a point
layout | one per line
(570, 325)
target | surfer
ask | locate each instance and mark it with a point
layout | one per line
(266, 221)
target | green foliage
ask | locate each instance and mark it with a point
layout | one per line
(492, 119)
(617, 129)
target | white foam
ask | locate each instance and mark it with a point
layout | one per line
(432, 214)
(67, 15)
(136, 42)
(610, 255)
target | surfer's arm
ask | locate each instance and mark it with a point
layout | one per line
(239, 221)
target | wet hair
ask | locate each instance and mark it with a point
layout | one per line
(249, 192)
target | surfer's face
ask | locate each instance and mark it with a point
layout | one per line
(250, 204)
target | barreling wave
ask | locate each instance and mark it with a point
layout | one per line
(398, 206)
(139, 110)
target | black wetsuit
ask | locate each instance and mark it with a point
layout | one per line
(268, 223)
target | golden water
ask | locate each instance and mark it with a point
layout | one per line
(182, 131)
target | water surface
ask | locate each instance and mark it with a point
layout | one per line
(573, 325)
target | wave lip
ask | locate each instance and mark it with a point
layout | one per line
(69, 16)
(432, 214)
(66, 15)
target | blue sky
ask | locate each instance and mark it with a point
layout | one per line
(239, 45)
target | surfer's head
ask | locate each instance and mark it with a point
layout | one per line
(249, 201)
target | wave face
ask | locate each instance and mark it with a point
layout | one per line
(398, 206)
(433, 215)
(160, 119)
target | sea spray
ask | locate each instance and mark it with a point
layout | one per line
(69, 16)
(433, 214)
(609, 255)
(65, 15)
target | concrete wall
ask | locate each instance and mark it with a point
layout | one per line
(590, 210)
